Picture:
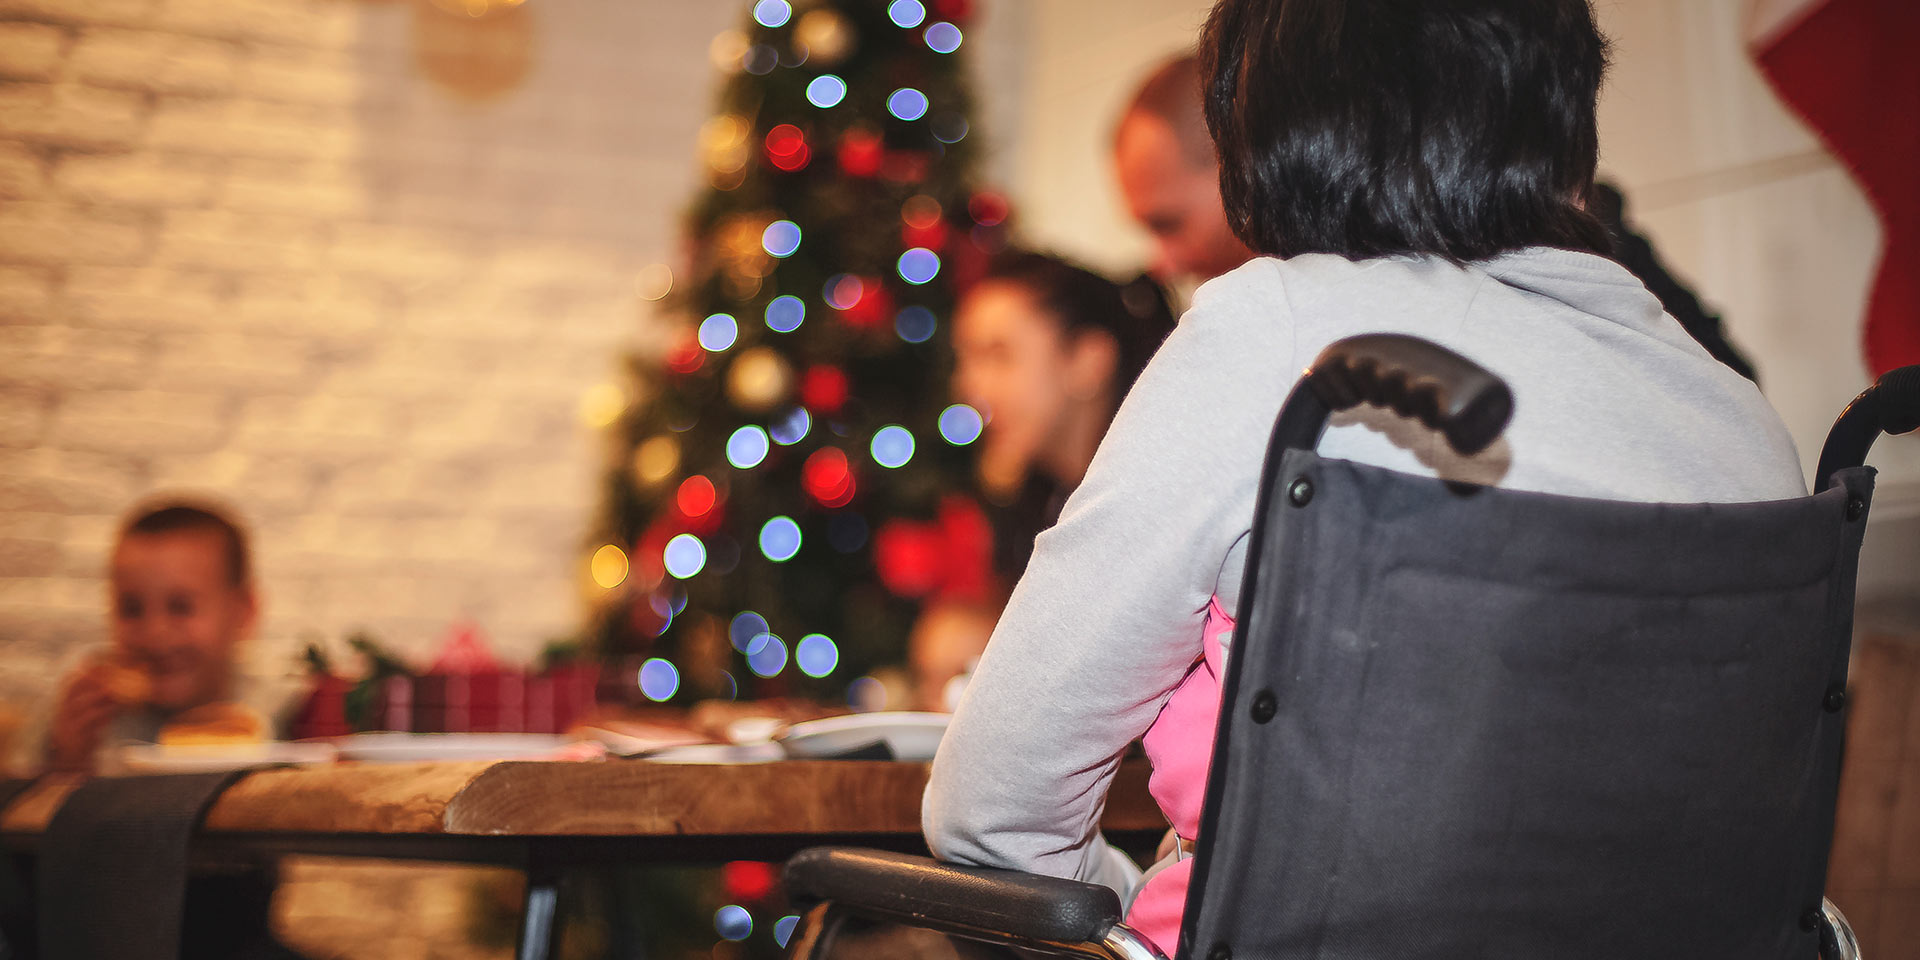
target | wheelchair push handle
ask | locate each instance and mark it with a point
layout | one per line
(1891, 405)
(1415, 378)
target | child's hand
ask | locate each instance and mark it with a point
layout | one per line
(85, 709)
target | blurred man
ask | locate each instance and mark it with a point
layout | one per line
(1170, 177)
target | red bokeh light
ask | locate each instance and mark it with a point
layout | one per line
(696, 496)
(861, 153)
(787, 148)
(954, 11)
(844, 291)
(748, 881)
(827, 477)
(874, 307)
(988, 209)
(824, 388)
(686, 356)
(932, 236)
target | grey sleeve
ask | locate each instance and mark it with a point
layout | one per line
(1106, 622)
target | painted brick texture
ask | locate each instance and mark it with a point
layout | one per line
(348, 266)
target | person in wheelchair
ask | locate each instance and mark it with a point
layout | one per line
(1401, 166)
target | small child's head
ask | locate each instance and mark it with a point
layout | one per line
(182, 601)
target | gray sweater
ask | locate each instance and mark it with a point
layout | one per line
(1612, 400)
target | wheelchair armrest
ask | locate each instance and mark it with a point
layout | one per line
(924, 892)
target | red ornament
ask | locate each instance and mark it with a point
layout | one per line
(861, 153)
(953, 11)
(748, 881)
(824, 388)
(828, 478)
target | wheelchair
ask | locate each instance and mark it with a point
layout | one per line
(1551, 726)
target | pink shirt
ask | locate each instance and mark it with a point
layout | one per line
(1180, 746)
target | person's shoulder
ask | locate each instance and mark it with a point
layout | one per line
(1296, 281)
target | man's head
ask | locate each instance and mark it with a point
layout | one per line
(1046, 349)
(1170, 178)
(182, 601)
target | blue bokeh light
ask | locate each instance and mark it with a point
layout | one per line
(785, 313)
(960, 424)
(772, 13)
(892, 446)
(950, 128)
(732, 921)
(792, 428)
(659, 679)
(780, 539)
(907, 14)
(761, 59)
(816, 655)
(746, 630)
(783, 928)
(915, 324)
(781, 238)
(747, 447)
(847, 532)
(685, 556)
(907, 103)
(919, 265)
(719, 332)
(826, 90)
(943, 37)
(770, 659)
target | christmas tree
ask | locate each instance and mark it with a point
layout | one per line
(786, 470)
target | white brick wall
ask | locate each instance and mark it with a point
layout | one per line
(252, 248)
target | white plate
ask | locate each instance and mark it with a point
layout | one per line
(423, 747)
(212, 757)
(719, 753)
(911, 736)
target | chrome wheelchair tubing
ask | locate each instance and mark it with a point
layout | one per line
(813, 939)
(1122, 943)
(1837, 941)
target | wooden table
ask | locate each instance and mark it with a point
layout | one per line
(544, 817)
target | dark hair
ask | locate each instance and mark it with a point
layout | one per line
(1135, 314)
(1365, 128)
(197, 518)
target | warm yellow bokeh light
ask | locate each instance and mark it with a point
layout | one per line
(602, 405)
(723, 144)
(609, 567)
(476, 8)
(728, 49)
(654, 282)
(656, 460)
